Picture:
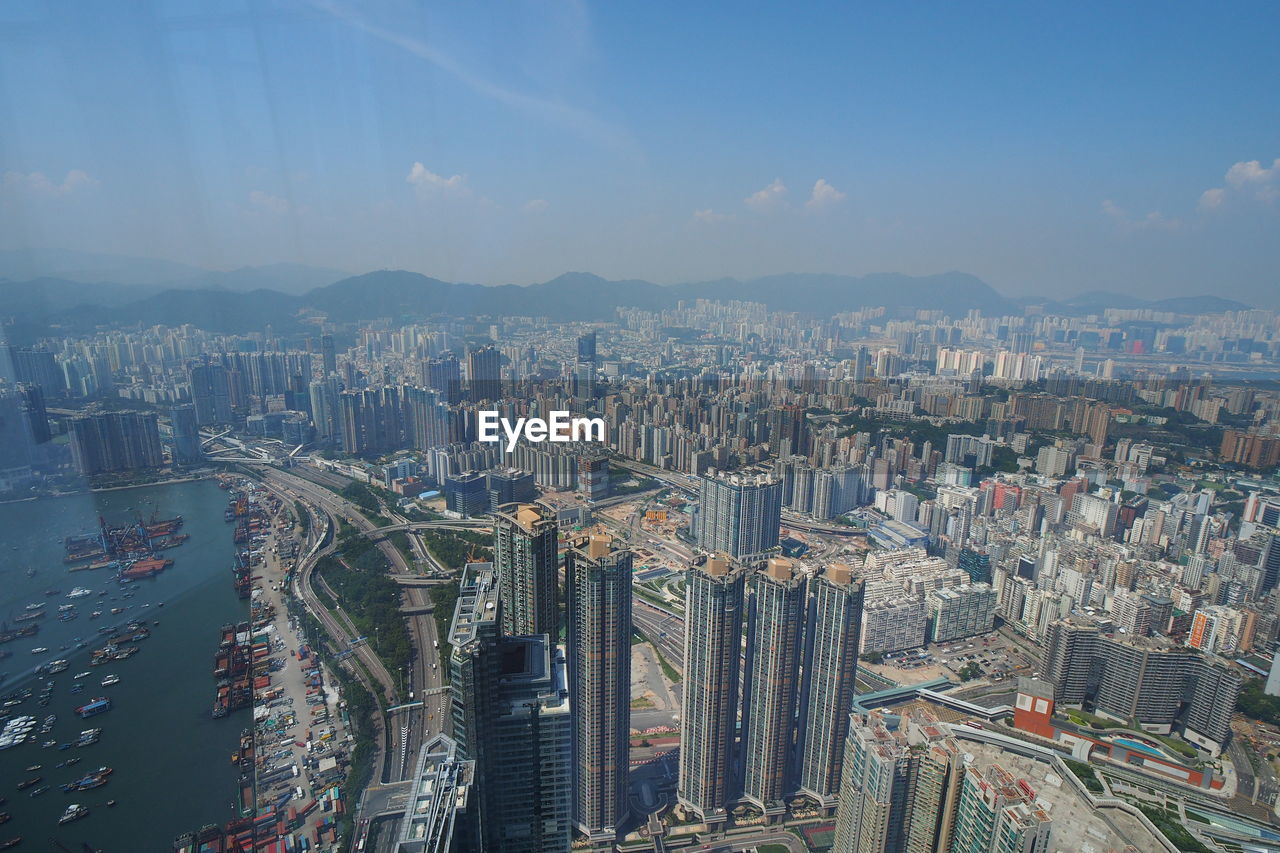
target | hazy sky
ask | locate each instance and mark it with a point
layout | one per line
(1048, 148)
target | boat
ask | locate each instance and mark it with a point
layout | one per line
(38, 605)
(111, 803)
(95, 614)
(80, 675)
(96, 705)
(80, 592)
(75, 811)
(57, 666)
(35, 780)
(8, 634)
(29, 617)
(39, 650)
(64, 608)
(38, 791)
(12, 842)
(34, 767)
(110, 680)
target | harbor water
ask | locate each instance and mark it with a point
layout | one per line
(171, 759)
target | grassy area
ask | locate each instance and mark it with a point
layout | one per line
(1085, 774)
(304, 517)
(372, 602)
(1169, 825)
(672, 674)
(772, 848)
(444, 598)
(1084, 718)
(651, 596)
(401, 540)
(1181, 747)
(453, 548)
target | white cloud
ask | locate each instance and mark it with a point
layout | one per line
(425, 180)
(40, 184)
(710, 217)
(269, 203)
(1212, 199)
(1246, 179)
(536, 205)
(1153, 221)
(824, 195)
(772, 196)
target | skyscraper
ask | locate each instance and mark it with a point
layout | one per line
(832, 628)
(770, 686)
(210, 393)
(598, 603)
(512, 718)
(186, 435)
(739, 514)
(526, 540)
(328, 355)
(995, 814)
(104, 442)
(709, 710)
(875, 791)
(484, 372)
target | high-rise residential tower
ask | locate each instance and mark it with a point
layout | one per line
(709, 710)
(598, 605)
(770, 690)
(526, 540)
(832, 629)
(739, 515)
(484, 373)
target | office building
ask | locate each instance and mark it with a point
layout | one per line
(771, 684)
(832, 627)
(467, 494)
(739, 515)
(709, 708)
(525, 556)
(186, 435)
(598, 605)
(512, 718)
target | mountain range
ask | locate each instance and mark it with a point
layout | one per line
(40, 289)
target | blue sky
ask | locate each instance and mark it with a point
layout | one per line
(1047, 149)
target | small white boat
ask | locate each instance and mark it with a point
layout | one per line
(110, 680)
(80, 675)
(39, 650)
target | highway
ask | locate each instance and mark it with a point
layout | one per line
(411, 727)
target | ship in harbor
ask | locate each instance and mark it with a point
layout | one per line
(95, 706)
(75, 811)
(134, 540)
(8, 635)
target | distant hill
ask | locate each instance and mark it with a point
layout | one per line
(250, 298)
(1097, 301)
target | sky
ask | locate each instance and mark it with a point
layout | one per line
(1050, 149)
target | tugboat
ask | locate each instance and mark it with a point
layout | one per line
(75, 811)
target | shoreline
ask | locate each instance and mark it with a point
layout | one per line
(165, 482)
